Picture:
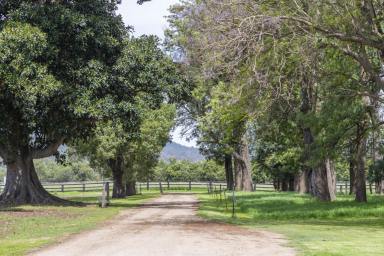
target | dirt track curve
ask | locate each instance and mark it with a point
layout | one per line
(168, 226)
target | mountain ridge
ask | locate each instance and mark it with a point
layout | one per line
(177, 151)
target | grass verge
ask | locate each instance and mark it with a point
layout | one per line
(25, 228)
(314, 228)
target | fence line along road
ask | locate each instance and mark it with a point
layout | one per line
(342, 187)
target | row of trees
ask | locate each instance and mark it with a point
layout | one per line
(298, 84)
(182, 170)
(77, 168)
(71, 73)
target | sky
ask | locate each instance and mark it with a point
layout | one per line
(149, 18)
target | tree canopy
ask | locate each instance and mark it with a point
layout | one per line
(302, 77)
(65, 67)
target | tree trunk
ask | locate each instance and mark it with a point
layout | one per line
(23, 185)
(229, 171)
(376, 139)
(284, 185)
(247, 170)
(302, 181)
(352, 173)
(243, 169)
(308, 105)
(130, 188)
(238, 174)
(276, 184)
(361, 143)
(291, 183)
(379, 187)
(116, 166)
(323, 181)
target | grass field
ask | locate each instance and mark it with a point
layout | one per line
(27, 227)
(314, 228)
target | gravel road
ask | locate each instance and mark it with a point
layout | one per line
(168, 226)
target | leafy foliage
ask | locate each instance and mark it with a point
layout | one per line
(181, 170)
(79, 170)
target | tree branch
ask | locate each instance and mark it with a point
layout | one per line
(363, 60)
(238, 157)
(333, 34)
(48, 151)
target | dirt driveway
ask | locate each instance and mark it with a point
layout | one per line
(168, 226)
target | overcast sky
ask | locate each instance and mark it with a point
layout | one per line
(149, 18)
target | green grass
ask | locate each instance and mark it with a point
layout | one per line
(28, 227)
(314, 228)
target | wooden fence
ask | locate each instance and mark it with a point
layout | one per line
(342, 187)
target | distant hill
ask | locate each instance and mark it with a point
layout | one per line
(180, 152)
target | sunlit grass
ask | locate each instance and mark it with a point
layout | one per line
(316, 228)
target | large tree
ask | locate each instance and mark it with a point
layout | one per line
(115, 148)
(295, 54)
(61, 73)
(353, 28)
(125, 156)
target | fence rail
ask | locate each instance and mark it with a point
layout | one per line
(342, 187)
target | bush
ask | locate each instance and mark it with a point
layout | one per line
(50, 171)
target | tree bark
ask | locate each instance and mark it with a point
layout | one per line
(379, 187)
(361, 143)
(243, 169)
(276, 184)
(291, 183)
(130, 188)
(238, 174)
(117, 168)
(323, 181)
(302, 181)
(284, 185)
(229, 171)
(352, 172)
(23, 185)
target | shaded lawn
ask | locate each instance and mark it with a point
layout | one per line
(315, 228)
(27, 227)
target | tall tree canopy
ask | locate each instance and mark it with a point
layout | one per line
(309, 74)
(65, 66)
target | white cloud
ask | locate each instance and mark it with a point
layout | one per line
(148, 18)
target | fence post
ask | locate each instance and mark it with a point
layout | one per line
(190, 186)
(140, 188)
(160, 187)
(168, 184)
(105, 196)
(346, 187)
(341, 189)
(210, 186)
(147, 185)
(62, 187)
(107, 189)
(233, 201)
(83, 187)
